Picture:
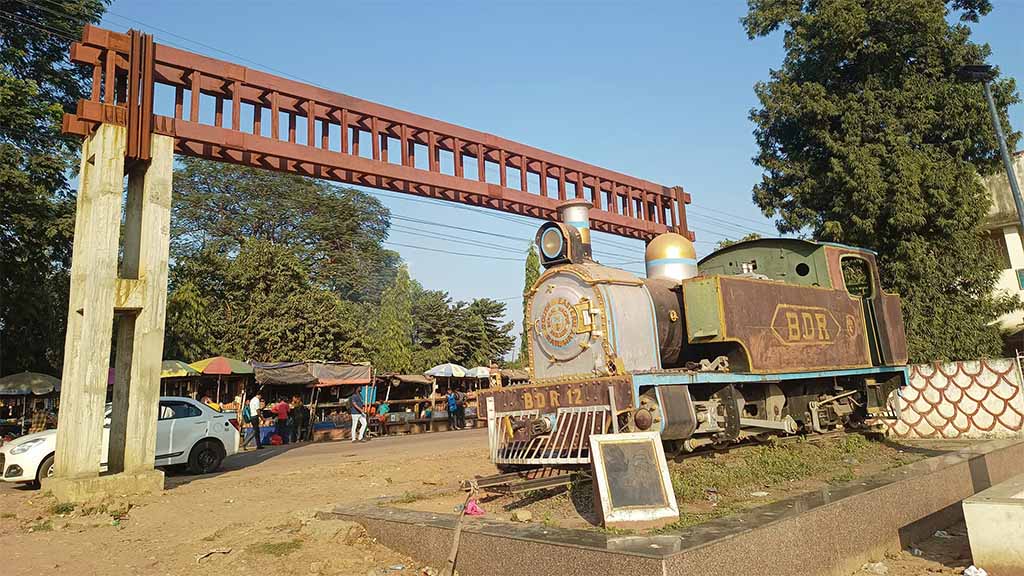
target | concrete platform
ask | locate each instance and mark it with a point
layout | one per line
(995, 527)
(99, 488)
(833, 531)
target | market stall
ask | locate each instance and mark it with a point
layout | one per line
(18, 394)
(178, 379)
(323, 387)
(409, 399)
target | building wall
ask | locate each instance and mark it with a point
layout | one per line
(1002, 222)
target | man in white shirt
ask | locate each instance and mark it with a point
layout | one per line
(254, 419)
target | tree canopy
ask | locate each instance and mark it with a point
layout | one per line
(867, 138)
(36, 203)
(273, 267)
(335, 231)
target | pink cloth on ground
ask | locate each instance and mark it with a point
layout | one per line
(472, 509)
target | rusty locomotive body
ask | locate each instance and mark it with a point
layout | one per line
(765, 337)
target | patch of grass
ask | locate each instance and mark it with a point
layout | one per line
(271, 548)
(768, 465)
(408, 498)
(8, 515)
(62, 508)
(44, 526)
(616, 531)
(549, 521)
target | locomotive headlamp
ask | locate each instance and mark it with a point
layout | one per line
(551, 243)
(559, 244)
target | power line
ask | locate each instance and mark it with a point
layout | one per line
(425, 234)
(700, 209)
(12, 17)
(452, 252)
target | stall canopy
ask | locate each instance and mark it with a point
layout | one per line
(478, 372)
(447, 371)
(337, 373)
(176, 369)
(314, 374)
(25, 383)
(222, 366)
(283, 373)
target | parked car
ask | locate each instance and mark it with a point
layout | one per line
(187, 432)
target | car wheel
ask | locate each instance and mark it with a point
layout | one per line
(45, 471)
(205, 457)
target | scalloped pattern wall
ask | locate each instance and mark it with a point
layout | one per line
(971, 399)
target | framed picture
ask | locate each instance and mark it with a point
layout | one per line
(631, 480)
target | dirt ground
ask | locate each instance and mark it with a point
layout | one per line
(253, 517)
(256, 515)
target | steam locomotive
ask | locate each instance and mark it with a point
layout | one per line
(761, 338)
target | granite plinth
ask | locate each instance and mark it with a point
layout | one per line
(98, 488)
(831, 531)
(995, 527)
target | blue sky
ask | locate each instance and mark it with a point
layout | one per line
(658, 90)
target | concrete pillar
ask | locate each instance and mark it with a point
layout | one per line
(91, 304)
(1014, 248)
(138, 295)
(141, 311)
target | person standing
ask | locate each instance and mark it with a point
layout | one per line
(40, 419)
(357, 409)
(299, 418)
(254, 410)
(460, 409)
(281, 410)
(453, 410)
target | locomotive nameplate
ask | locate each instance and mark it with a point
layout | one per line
(551, 397)
(807, 325)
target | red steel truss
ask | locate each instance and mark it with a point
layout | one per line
(127, 68)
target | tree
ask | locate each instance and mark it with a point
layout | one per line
(336, 231)
(531, 275)
(866, 138)
(431, 311)
(36, 203)
(259, 305)
(727, 242)
(393, 329)
(497, 340)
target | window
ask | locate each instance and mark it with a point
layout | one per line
(170, 410)
(857, 276)
(999, 245)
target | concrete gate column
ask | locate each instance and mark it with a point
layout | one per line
(138, 297)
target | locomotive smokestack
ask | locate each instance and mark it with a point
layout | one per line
(576, 213)
(671, 256)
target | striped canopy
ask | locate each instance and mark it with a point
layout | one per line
(176, 369)
(221, 365)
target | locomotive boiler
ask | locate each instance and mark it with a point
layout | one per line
(764, 337)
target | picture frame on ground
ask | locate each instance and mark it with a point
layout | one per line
(632, 486)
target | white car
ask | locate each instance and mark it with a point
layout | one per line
(187, 432)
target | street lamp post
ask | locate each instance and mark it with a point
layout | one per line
(984, 74)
